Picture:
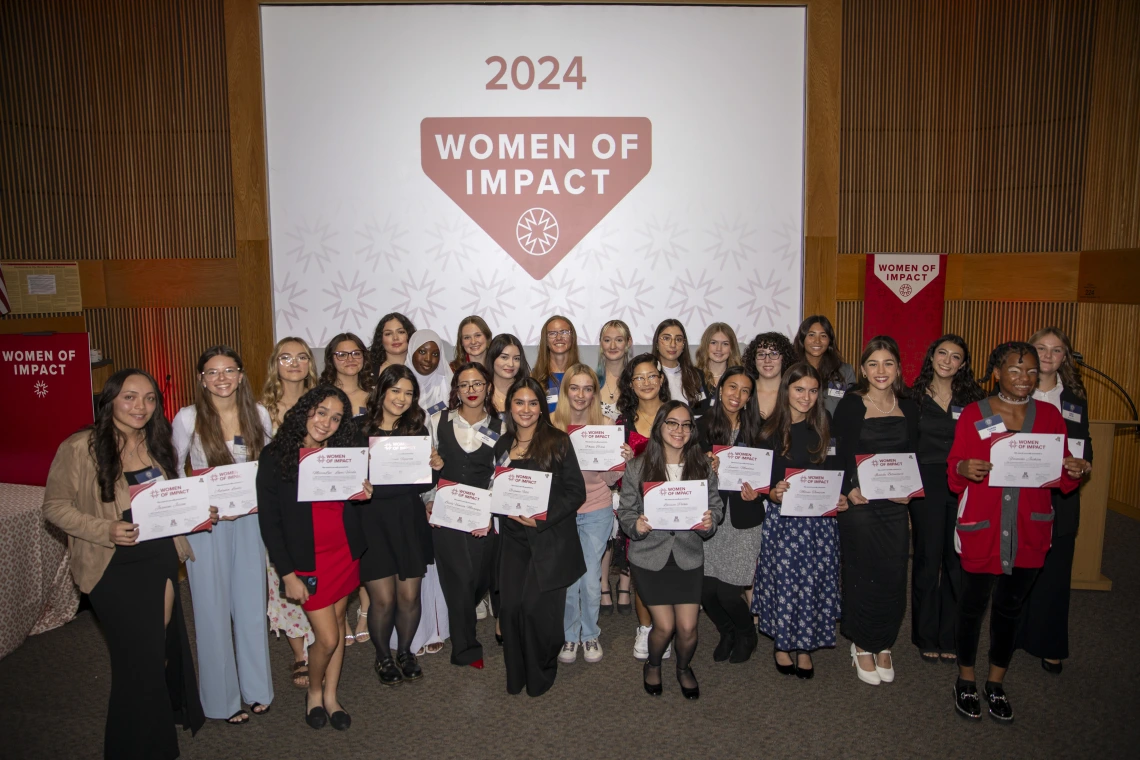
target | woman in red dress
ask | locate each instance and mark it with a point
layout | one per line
(315, 546)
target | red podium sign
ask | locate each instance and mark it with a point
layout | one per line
(45, 381)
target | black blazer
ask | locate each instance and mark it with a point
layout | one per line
(555, 549)
(847, 425)
(1068, 505)
(287, 524)
(740, 513)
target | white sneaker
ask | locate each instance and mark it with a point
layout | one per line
(592, 651)
(481, 610)
(641, 643)
(668, 651)
(569, 652)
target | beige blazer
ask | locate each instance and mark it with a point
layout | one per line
(71, 501)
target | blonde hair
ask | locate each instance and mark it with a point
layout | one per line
(734, 359)
(601, 370)
(541, 370)
(560, 417)
(273, 390)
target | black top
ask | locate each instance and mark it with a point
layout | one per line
(287, 524)
(935, 431)
(741, 514)
(1067, 506)
(884, 435)
(800, 454)
(474, 468)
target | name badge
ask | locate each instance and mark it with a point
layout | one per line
(486, 435)
(1077, 447)
(238, 449)
(990, 425)
(831, 448)
(149, 474)
(552, 399)
(1071, 412)
(437, 408)
(361, 411)
(955, 412)
(836, 390)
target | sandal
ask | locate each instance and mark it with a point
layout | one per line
(238, 718)
(362, 636)
(258, 709)
(301, 675)
(929, 656)
(434, 648)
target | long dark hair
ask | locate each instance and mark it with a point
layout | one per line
(695, 465)
(366, 378)
(964, 389)
(500, 342)
(106, 440)
(488, 404)
(831, 360)
(549, 444)
(1002, 350)
(778, 428)
(773, 341)
(208, 425)
(376, 351)
(627, 400)
(691, 378)
(720, 427)
(412, 420)
(880, 343)
(1069, 371)
(290, 438)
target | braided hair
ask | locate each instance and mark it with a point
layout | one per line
(1019, 347)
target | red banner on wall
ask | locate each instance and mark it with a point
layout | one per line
(45, 381)
(904, 295)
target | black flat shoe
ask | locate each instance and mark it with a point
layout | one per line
(784, 670)
(724, 646)
(687, 693)
(607, 608)
(624, 609)
(804, 673)
(744, 647)
(1000, 708)
(966, 701)
(653, 690)
(317, 717)
(1052, 667)
(409, 666)
(389, 674)
(340, 720)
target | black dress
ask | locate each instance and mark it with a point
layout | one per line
(396, 530)
(152, 671)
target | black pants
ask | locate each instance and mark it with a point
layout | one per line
(725, 606)
(936, 573)
(1044, 630)
(1009, 598)
(464, 565)
(531, 620)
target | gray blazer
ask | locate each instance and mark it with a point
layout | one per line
(652, 550)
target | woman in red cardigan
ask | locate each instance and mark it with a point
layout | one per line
(1002, 534)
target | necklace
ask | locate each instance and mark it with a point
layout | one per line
(894, 403)
(1014, 401)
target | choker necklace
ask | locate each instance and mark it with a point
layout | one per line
(895, 403)
(1015, 402)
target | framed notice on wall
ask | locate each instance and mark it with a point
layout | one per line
(43, 288)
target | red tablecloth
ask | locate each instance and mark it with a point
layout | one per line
(36, 590)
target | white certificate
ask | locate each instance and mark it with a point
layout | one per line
(461, 507)
(812, 493)
(525, 493)
(598, 447)
(332, 474)
(1077, 447)
(889, 476)
(1027, 460)
(399, 460)
(740, 465)
(233, 488)
(676, 504)
(164, 508)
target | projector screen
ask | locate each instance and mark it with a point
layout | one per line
(514, 162)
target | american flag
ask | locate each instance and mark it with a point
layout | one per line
(5, 306)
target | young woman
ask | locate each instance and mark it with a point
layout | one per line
(815, 344)
(464, 434)
(390, 341)
(765, 360)
(315, 546)
(396, 529)
(671, 349)
(1003, 534)
(507, 362)
(433, 375)
(1044, 630)
(471, 342)
(540, 558)
(944, 387)
(730, 555)
(290, 374)
(667, 564)
(615, 348)
(717, 351)
(876, 418)
(643, 392)
(131, 585)
(349, 367)
(557, 350)
(796, 596)
(227, 577)
(578, 405)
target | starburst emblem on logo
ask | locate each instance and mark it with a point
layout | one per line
(40, 389)
(905, 290)
(537, 231)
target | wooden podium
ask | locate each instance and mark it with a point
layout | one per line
(1094, 505)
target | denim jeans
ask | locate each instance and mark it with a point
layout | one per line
(585, 595)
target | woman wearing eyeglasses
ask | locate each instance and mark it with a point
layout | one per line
(471, 342)
(815, 344)
(671, 349)
(390, 341)
(227, 576)
(507, 362)
(557, 350)
(348, 366)
(765, 360)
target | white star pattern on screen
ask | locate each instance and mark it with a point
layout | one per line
(382, 243)
(595, 250)
(418, 303)
(452, 242)
(491, 301)
(626, 291)
(313, 244)
(350, 301)
(317, 340)
(791, 244)
(554, 297)
(730, 242)
(763, 299)
(287, 301)
(692, 297)
(663, 244)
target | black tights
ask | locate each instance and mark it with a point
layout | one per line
(1009, 593)
(677, 622)
(395, 604)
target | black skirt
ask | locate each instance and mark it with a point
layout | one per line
(875, 546)
(399, 539)
(669, 585)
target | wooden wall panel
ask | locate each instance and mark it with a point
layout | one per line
(849, 330)
(984, 324)
(115, 137)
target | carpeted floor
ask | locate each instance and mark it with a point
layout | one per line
(54, 694)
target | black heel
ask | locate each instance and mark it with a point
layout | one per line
(687, 693)
(653, 690)
(784, 670)
(804, 673)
